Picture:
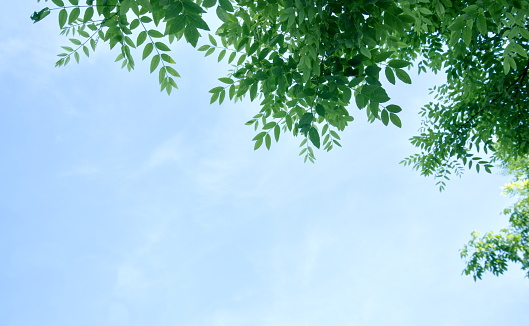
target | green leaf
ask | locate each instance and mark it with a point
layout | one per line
(191, 35)
(88, 14)
(395, 120)
(209, 3)
(154, 62)
(258, 144)
(161, 46)
(38, 16)
(393, 108)
(481, 23)
(197, 22)
(222, 14)
(154, 33)
(390, 75)
(403, 76)
(268, 141)
(172, 71)
(214, 97)
(226, 80)
(458, 24)
(226, 5)
(147, 50)
(221, 55)
(216, 89)
(59, 3)
(232, 57)
(399, 63)
(141, 38)
(209, 52)
(314, 137)
(269, 125)
(134, 24)
(384, 116)
(277, 132)
(63, 16)
(75, 41)
(74, 14)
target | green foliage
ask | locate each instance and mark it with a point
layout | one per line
(493, 251)
(308, 62)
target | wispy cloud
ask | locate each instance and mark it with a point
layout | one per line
(80, 170)
(168, 152)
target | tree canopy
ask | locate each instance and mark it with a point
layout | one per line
(308, 62)
(494, 250)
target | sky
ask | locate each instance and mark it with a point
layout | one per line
(121, 205)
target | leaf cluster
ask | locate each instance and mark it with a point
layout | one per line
(308, 62)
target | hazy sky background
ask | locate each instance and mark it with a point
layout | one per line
(120, 205)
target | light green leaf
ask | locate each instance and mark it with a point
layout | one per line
(154, 62)
(161, 46)
(88, 14)
(221, 55)
(63, 16)
(172, 71)
(141, 38)
(268, 141)
(147, 50)
(226, 80)
(154, 33)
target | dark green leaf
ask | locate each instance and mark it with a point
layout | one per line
(395, 120)
(226, 5)
(209, 3)
(314, 137)
(384, 116)
(197, 22)
(393, 108)
(403, 76)
(398, 63)
(191, 35)
(74, 14)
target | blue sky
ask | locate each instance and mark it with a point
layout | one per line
(120, 205)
